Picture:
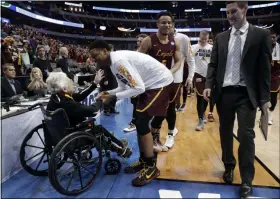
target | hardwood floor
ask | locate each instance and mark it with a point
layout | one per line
(196, 155)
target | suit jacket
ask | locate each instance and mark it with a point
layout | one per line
(255, 64)
(6, 89)
(43, 64)
(63, 64)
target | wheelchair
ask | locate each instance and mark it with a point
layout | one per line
(68, 152)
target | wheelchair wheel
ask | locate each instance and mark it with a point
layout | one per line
(113, 166)
(34, 145)
(81, 169)
(34, 153)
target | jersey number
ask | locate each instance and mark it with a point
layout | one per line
(164, 62)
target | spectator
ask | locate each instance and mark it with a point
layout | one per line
(62, 62)
(9, 86)
(42, 62)
(37, 85)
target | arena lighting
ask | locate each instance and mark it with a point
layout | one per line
(39, 17)
(125, 10)
(269, 26)
(259, 6)
(261, 26)
(74, 4)
(265, 27)
(194, 38)
(126, 30)
(193, 10)
(102, 27)
(177, 29)
(5, 20)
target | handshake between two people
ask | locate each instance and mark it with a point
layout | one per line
(104, 96)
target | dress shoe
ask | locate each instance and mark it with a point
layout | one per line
(228, 176)
(245, 190)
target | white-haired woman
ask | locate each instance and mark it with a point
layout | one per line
(63, 96)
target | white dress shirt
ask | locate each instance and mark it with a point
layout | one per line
(137, 72)
(276, 52)
(229, 65)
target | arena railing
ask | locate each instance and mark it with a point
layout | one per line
(89, 37)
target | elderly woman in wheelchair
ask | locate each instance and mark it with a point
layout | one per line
(72, 145)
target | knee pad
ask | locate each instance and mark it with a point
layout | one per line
(142, 123)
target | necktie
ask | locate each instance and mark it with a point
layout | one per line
(13, 86)
(236, 58)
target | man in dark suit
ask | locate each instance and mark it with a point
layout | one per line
(62, 62)
(239, 74)
(9, 86)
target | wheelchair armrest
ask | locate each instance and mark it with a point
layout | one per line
(85, 123)
(35, 105)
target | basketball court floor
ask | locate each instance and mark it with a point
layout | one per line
(191, 169)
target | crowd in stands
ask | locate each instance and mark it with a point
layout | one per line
(23, 50)
(21, 47)
(29, 56)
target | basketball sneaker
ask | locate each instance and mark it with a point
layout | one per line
(130, 127)
(169, 141)
(146, 175)
(210, 117)
(177, 107)
(270, 120)
(204, 119)
(200, 125)
(182, 107)
(158, 146)
(135, 167)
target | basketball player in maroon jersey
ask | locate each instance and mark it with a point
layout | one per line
(132, 125)
(163, 47)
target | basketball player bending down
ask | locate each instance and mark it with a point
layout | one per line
(142, 75)
(132, 124)
(163, 47)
